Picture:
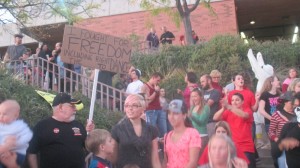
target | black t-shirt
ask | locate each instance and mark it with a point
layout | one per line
(214, 95)
(165, 35)
(60, 144)
(131, 148)
(271, 101)
(291, 130)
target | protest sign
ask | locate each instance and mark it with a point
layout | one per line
(95, 50)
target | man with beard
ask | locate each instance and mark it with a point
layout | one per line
(212, 98)
(59, 140)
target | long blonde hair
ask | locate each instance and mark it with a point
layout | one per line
(293, 84)
(231, 150)
(267, 86)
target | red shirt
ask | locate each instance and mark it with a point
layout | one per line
(155, 104)
(204, 157)
(241, 129)
(187, 94)
(249, 99)
(218, 87)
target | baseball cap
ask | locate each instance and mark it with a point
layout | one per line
(288, 96)
(64, 98)
(177, 106)
(19, 35)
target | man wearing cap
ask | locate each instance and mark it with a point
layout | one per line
(59, 140)
(135, 86)
(14, 52)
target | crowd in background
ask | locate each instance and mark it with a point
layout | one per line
(210, 126)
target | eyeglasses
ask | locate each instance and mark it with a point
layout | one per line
(134, 106)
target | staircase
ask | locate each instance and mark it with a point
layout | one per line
(265, 160)
(47, 76)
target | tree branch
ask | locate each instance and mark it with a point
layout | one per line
(194, 6)
(179, 8)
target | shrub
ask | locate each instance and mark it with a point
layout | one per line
(34, 108)
(227, 53)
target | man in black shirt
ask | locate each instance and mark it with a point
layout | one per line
(167, 36)
(59, 139)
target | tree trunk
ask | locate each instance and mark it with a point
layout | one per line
(188, 29)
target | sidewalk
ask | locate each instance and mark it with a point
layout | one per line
(264, 152)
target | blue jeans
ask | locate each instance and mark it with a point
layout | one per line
(157, 118)
(282, 161)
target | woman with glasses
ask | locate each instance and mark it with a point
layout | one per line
(216, 78)
(137, 142)
(182, 144)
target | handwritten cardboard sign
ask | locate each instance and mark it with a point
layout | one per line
(95, 50)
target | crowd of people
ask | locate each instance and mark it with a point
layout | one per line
(22, 61)
(210, 126)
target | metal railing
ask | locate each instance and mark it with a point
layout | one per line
(144, 47)
(47, 76)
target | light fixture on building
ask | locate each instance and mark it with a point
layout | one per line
(295, 38)
(296, 30)
(252, 22)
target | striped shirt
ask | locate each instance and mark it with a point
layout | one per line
(277, 122)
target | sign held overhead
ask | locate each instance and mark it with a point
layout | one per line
(95, 50)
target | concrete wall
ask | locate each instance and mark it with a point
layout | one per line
(7, 32)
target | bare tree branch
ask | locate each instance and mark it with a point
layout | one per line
(194, 6)
(179, 8)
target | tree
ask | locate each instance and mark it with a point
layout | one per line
(22, 12)
(183, 11)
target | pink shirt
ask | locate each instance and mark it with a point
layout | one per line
(178, 152)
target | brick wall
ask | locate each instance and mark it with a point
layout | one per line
(204, 24)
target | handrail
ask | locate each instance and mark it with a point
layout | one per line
(46, 75)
